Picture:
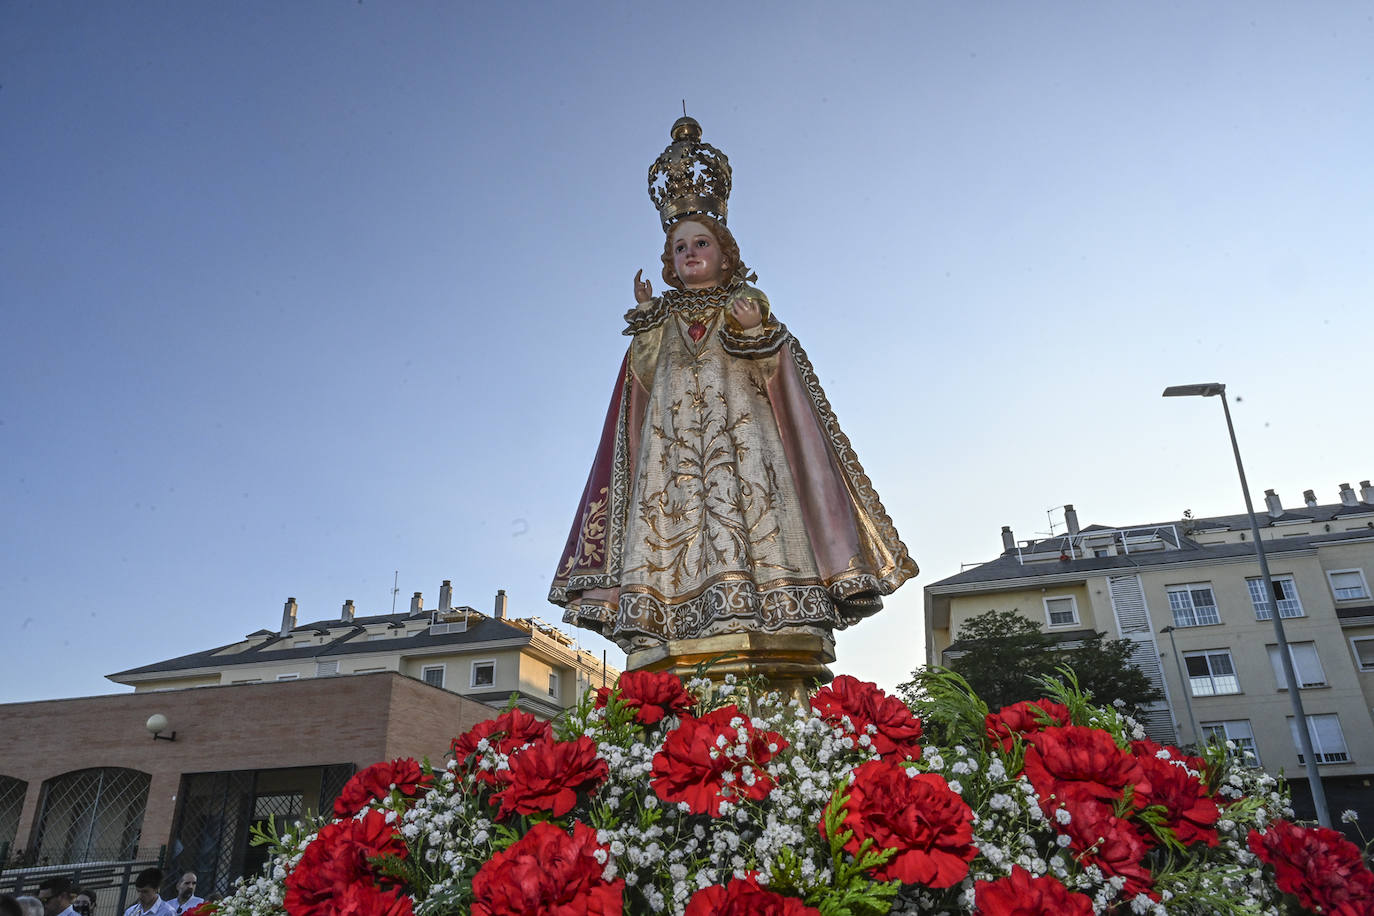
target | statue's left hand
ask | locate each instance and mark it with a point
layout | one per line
(747, 313)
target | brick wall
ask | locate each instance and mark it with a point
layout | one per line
(359, 719)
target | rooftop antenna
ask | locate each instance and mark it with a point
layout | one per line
(1049, 515)
(395, 589)
(684, 108)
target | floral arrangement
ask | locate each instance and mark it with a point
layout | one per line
(717, 799)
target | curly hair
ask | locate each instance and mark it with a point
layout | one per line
(730, 259)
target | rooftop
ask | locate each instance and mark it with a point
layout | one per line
(1170, 542)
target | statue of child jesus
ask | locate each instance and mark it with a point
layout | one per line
(724, 498)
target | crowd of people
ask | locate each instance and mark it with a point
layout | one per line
(63, 897)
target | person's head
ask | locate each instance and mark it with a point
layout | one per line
(148, 883)
(186, 887)
(9, 906)
(30, 906)
(56, 895)
(84, 901)
(699, 252)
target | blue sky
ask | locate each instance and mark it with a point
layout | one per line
(298, 295)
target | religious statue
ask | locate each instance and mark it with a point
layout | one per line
(723, 498)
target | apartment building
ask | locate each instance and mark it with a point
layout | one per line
(488, 658)
(1189, 593)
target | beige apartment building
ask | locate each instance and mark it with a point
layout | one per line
(487, 658)
(1189, 593)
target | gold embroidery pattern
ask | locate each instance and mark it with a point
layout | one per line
(728, 607)
(591, 539)
(706, 517)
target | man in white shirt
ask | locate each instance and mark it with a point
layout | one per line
(150, 903)
(56, 896)
(186, 894)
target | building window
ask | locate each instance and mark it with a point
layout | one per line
(483, 674)
(553, 683)
(1307, 666)
(433, 675)
(326, 669)
(1237, 732)
(1347, 584)
(91, 815)
(302, 642)
(1285, 591)
(1211, 673)
(1062, 611)
(1193, 605)
(1328, 741)
(288, 677)
(1364, 652)
(12, 793)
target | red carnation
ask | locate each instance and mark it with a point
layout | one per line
(547, 775)
(338, 858)
(1319, 866)
(744, 897)
(370, 900)
(651, 694)
(505, 734)
(550, 873)
(887, 721)
(1076, 763)
(1148, 748)
(377, 781)
(1188, 810)
(920, 816)
(718, 758)
(1024, 719)
(1021, 895)
(1109, 842)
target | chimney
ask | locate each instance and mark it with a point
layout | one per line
(1310, 497)
(1071, 518)
(288, 616)
(446, 595)
(500, 604)
(1366, 493)
(1271, 499)
(346, 615)
(1008, 539)
(417, 604)
(1347, 495)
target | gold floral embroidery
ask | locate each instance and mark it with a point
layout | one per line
(706, 515)
(592, 538)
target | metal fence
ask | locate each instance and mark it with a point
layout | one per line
(112, 881)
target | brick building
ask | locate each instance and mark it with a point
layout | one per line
(83, 780)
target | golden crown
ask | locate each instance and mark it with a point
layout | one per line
(689, 177)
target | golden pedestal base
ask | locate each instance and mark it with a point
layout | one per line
(789, 662)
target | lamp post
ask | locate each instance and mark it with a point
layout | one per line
(1314, 779)
(1187, 688)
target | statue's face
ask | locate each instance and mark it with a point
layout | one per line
(696, 256)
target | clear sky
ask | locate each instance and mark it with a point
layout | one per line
(296, 295)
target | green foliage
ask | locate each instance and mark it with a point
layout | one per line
(946, 704)
(1006, 657)
(852, 892)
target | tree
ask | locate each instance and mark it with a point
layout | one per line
(1004, 655)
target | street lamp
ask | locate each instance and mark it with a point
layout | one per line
(1314, 779)
(1187, 687)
